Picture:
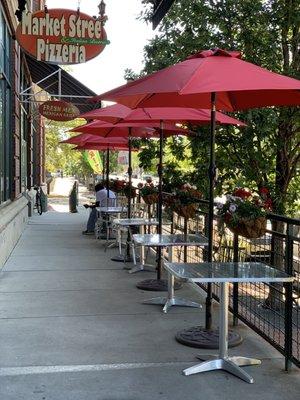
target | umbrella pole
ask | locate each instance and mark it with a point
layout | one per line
(212, 177)
(198, 336)
(103, 166)
(127, 257)
(130, 188)
(129, 171)
(159, 204)
(107, 173)
(158, 284)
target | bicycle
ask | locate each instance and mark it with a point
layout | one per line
(38, 200)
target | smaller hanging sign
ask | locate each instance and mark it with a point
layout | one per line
(94, 159)
(59, 110)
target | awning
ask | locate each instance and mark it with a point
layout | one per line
(74, 90)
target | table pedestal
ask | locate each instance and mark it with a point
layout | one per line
(107, 238)
(223, 361)
(122, 258)
(171, 299)
(142, 266)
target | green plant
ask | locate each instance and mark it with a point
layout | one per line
(117, 185)
(129, 191)
(243, 205)
(187, 194)
(147, 189)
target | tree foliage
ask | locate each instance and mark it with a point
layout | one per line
(61, 156)
(266, 153)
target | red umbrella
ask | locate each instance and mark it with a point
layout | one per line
(113, 114)
(137, 129)
(215, 79)
(239, 85)
(179, 114)
(120, 114)
(83, 138)
(103, 147)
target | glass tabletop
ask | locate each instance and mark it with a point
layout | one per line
(170, 240)
(135, 221)
(227, 272)
(112, 209)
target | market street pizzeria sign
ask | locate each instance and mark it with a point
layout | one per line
(61, 36)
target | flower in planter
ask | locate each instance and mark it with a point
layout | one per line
(187, 194)
(185, 200)
(245, 212)
(148, 191)
(129, 191)
(117, 185)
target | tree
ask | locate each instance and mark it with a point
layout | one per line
(61, 156)
(266, 153)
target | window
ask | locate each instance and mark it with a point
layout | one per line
(5, 111)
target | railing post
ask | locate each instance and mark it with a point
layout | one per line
(185, 231)
(172, 223)
(208, 301)
(206, 234)
(288, 316)
(235, 293)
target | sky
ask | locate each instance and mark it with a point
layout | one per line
(127, 35)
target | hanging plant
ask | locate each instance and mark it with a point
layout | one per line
(185, 201)
(149, 192)
(244, 212)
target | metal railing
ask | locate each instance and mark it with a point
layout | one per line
(271, 310)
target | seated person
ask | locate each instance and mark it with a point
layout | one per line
(103, 199)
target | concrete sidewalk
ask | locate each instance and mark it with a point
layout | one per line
(73, 327)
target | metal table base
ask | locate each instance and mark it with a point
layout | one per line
(171, 300)
(142, 267)
(168, 303)
(154, 285)
(223, 361)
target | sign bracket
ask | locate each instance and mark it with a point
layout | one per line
(25, 96)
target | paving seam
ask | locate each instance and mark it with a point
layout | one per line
(65, 270)
(73, 290)
(96, 315)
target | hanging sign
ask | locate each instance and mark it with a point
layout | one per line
(59, 110)
(94, 160)
(61, 36)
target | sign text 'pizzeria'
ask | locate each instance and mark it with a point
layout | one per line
(61, 36)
